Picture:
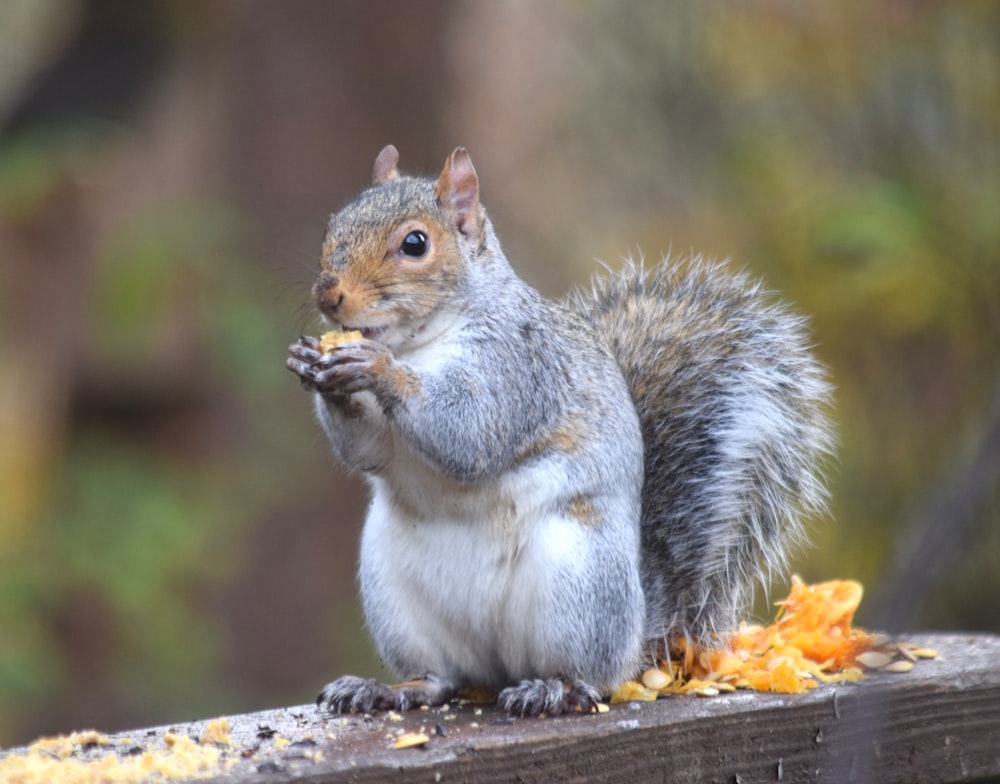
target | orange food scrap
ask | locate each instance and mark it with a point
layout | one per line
(328, 341)
(811, 640)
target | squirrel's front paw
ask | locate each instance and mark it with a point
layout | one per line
(552, 697)
(302, 361)
(353, 367)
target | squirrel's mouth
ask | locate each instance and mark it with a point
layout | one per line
(368, 333)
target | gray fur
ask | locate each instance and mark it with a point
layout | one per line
(734, 414)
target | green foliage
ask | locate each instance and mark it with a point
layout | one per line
(136, 513)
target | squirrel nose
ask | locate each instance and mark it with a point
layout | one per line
(330, 305)
(328, 295)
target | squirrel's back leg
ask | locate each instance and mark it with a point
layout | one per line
(550, 696)
(350, 694)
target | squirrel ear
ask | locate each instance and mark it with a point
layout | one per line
(457, 192)
(385, 165)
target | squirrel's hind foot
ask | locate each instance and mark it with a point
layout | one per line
(552, 697)
(350, 694)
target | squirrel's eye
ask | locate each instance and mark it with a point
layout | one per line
(414, 244)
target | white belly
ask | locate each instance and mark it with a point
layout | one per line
(465, 588)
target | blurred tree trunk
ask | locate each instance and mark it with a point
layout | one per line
(383, 72)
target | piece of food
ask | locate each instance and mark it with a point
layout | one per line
(811, 640)
(216, 732)
(656, 679)
(409, 740)
(92, 758)
(631, 691)
(328, 341)
(873, 660)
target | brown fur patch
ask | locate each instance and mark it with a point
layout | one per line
(581, 509)
(567, 438)
(402, 383)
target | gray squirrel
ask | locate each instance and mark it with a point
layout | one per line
(558, 489)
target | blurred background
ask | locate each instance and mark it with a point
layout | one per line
(175, 539)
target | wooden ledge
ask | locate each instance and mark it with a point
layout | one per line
(940, 722)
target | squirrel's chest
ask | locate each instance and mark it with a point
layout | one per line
(473, 535)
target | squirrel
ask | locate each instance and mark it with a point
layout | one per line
(558, 488)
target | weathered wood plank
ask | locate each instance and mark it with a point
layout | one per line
(938, 723)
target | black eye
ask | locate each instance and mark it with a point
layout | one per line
(414, 244)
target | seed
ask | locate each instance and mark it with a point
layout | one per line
(898, 666)
(655, 679)
(708, 691)
(410, 739)
(602, 707)
(873, 659)
(906, 653)
(879, 639)
(924, 653)
(725, 687)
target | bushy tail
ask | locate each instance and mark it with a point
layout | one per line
(734, 415)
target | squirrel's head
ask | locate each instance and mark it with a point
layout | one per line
(393, 258)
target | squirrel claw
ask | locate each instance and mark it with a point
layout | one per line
(304, 371)
(551, 696)
(304, 351)
(351, 694)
